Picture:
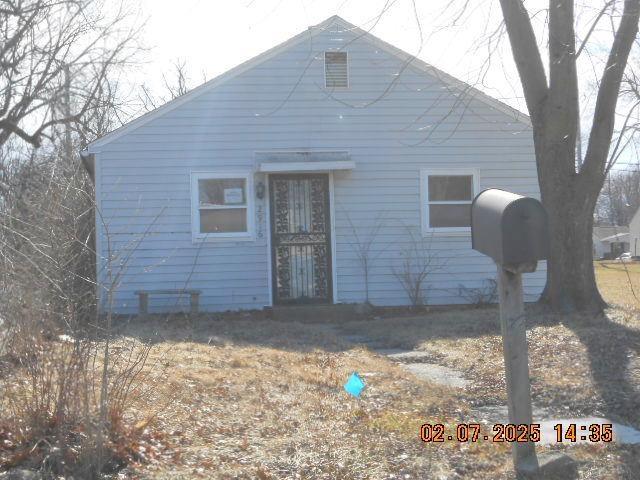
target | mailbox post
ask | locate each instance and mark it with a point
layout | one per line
(513, 231)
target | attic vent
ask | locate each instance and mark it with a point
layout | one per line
(336, 70)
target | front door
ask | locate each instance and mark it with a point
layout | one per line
(300, 238)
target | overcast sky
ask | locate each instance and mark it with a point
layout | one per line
(212, 36)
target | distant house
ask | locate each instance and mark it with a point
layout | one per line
(610, 241)
(634, 235)
(258, 187)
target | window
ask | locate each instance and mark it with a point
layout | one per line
(221, 205)
(446, 199)
(336, 70)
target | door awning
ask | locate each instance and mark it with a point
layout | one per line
(278, 162)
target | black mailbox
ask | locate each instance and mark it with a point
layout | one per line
(509, 228)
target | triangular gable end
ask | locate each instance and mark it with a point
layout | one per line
(414, 63)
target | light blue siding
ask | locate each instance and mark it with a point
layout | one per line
(391, 126)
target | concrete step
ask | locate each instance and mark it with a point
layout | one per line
(318, 313)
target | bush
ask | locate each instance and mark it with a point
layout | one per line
(487, 294)
(64, 391)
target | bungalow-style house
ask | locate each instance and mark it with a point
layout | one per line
(610, 241)
(270, 184)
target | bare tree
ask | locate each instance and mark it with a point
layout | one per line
(362, 244)
(49, 47)
(620, 197)
(47, 284)
(486, 294)
(56, 86)
(175, 85)
(74, 382)
(569, 193)
(418, 262)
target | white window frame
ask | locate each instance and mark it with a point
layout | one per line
(195, 206)
(324, 69)
(425, 173)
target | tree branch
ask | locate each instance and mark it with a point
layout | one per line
(46, 39)
(526, 55)
(593, 26)
(563, 81)
(604, 114)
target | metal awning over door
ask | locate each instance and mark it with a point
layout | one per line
(282, 162)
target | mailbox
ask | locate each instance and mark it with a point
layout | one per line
(509, 228)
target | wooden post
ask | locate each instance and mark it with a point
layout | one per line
(143, 302)
(195, 301)
(516, 359)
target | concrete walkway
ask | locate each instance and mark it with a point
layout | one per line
(424, 366)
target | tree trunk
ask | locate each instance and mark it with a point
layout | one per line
(571, 284)
(553, 105)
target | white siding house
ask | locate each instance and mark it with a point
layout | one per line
(610, 241)
(634, 235)
(257, 187)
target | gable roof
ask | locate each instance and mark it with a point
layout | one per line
(361, 34)
(618, 237)
(603, 232)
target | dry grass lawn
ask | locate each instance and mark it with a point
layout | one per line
(262, 399)
(619, 282)
(241, 396)
(246, 397)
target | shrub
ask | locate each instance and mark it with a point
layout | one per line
(64, 389)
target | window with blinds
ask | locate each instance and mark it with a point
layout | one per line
(336, 70)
